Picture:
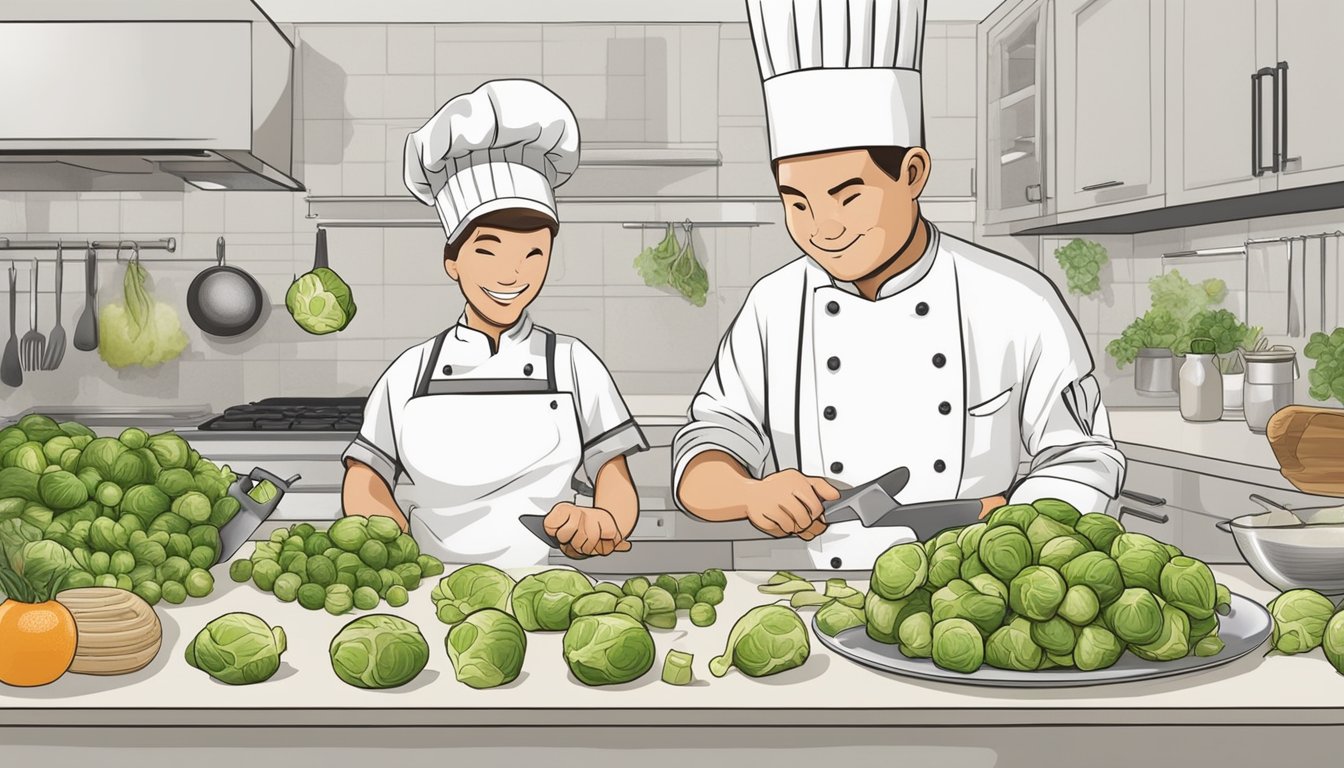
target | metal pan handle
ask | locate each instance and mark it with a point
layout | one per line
(1268, 504)
(1224, 525)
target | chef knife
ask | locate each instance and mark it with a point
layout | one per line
(253, 513)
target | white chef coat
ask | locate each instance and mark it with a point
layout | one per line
(966, 361)
(468, 524)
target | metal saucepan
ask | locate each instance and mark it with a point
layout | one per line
(224, 300)
(1293, 548)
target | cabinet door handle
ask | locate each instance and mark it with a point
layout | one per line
(1281, 112)
(1143, 498)
(1257, 129)
(1152, 517)
(1103, 185)
(1038, 197)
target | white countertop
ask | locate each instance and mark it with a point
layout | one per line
(827, 689)
(1225, 440)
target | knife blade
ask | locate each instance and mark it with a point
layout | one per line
(252, 514)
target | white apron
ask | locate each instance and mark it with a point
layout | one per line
(481, 452)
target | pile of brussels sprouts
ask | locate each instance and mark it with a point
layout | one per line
(1039, 586)
(606, 641)
(353, 565)
(138, 512)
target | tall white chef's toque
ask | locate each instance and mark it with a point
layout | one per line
(507, 144)
(840, 74)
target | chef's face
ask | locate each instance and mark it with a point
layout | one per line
(846, 212)
(501, 271)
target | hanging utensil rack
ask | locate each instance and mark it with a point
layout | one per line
(399, 223)
(166, 244)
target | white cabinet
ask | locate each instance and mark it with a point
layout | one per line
(1310, 42)
(1110, 137)
(1013, 166)
(1209, 99)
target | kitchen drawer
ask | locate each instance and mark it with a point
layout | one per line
(1166, 525)
(1201, 539)
(652, 557)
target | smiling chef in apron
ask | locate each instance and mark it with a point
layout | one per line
(496, 416)
(888, 343)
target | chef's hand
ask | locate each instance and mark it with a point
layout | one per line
(584, 531)
(991, 503)
(789, 503)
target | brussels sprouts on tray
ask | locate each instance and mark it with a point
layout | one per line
(1040, 587)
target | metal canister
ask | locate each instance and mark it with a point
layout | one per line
(1154, 372)
(1269, 384)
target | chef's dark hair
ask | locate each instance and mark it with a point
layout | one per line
(510, 219)
(890, 159)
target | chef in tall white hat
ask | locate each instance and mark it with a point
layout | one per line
(887, 343)
(496, 417)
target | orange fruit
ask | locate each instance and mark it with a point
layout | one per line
(37, 642)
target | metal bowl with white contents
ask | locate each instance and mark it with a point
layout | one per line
(1293, 548)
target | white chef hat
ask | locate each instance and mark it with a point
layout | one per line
(507, 144)
(840, 73)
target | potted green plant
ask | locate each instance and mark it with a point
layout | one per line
(1231, 338)
(1156, 339)
(1327, 374)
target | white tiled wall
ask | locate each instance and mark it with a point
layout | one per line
(359, 91)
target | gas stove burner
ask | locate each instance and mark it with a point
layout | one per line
(291, 414)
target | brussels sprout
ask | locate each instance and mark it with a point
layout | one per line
(915, 634)
(149, 591)
(669, 583)
(1061, 549)
(397, 596)
(703, 615)
(241, 571)
(1036, 592)
(1173, 642)
(109, 581)
(831, 619)
(44, 564)
(1097, 648)
(689, 584)
(768, 639)
(134, 437)
(410, 575)
(1055, 635)
(487, 649)
(1098, 572)
(1135, 617)
(39, 427)
(1332, 643)
(636, 586)
(683, 601)
(1188, 584)
(379, 651)
(1019, 516)
(632, 606)
(542, 601)
(1300, 616)
(312, 596)
(714, 577)
(790, 587)
(92, 480)
(389, 579)
(972, 567)
(1060, 511)
(611, 589)
(608, 650)
(99, 563)
(346, 578)
(677, 668)
(884, 617)
(199, 582)
(61, 490)
(968, 539)
(193, 506)
(1005, 550)
(1223, 602)
(366, 598)
(133, 468)
(296, 562)
(265, 550)
(238, 649)
(121, 562)
(349, 533)
(70, 461)
(1100, 529)
(174, 592)
(1141, 559)
(11, 438)
(175, 482)
(265, 573)
(382, 529)
(709, 594)
(18, 482)
(944, 565)
(169, 523)
(660, 608)
(899, 571)
(202, 557)
(960, 600)
(957, 645)
(373, 553)
(179, 545)
(108, 494)
(1012, 647)
(469, 589)
(339, 599)
(592, 604)
(1042, 530)
(1201, 628)
(106, 536)
(102, 454)
(316, 544)
(345, 562)
(431, 567)
(27, 456)
(320, 570)
(1057, 660)
(986, 584)
(204, 536)
(1213, 645)
(1080, 606)
(402, 549)
(37, 515)
(223, 510)
(286, 587)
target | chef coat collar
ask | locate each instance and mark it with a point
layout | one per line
(512, 335)
(909, 276)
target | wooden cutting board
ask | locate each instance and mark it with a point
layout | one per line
(1309, 444)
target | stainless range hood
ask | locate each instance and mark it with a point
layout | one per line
(144, 95)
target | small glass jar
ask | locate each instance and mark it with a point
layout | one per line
(1201, 383)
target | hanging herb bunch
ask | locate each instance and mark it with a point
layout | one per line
(671, 264)
(1082, 261)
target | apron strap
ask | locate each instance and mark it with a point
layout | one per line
(422, 386)
(550, 358)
